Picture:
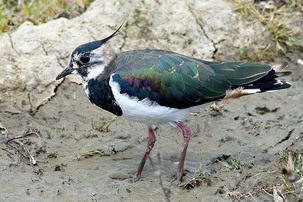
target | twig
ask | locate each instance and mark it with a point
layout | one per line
(266, 192)
(166, 191)
(25, 134)
(14, 144)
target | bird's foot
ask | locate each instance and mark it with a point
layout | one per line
(136, 178)
(179, 177)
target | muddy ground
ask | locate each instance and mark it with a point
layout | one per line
(234, 154)
(64, 151)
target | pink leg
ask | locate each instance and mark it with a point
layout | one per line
(150, 145)
(186, 137)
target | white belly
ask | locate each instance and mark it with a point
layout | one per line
(146, 111)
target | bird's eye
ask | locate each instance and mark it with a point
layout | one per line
(84, 59)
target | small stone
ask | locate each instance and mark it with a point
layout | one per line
(119, 176)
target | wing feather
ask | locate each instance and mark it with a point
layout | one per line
(175, 80)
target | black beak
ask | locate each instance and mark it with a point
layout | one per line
(68, 70)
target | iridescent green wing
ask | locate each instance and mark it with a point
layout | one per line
(175, 80)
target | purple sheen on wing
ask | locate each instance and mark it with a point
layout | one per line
(145, 82)
(129, 80)
(154, 86)
(137, 82)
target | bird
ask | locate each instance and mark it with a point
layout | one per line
(153, 86)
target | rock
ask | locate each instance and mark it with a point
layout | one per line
(119, 176)
(120, 146)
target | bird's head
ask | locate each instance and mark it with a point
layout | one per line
(90, 59)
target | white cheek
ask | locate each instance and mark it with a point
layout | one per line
(75, 67)
(95, 71)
